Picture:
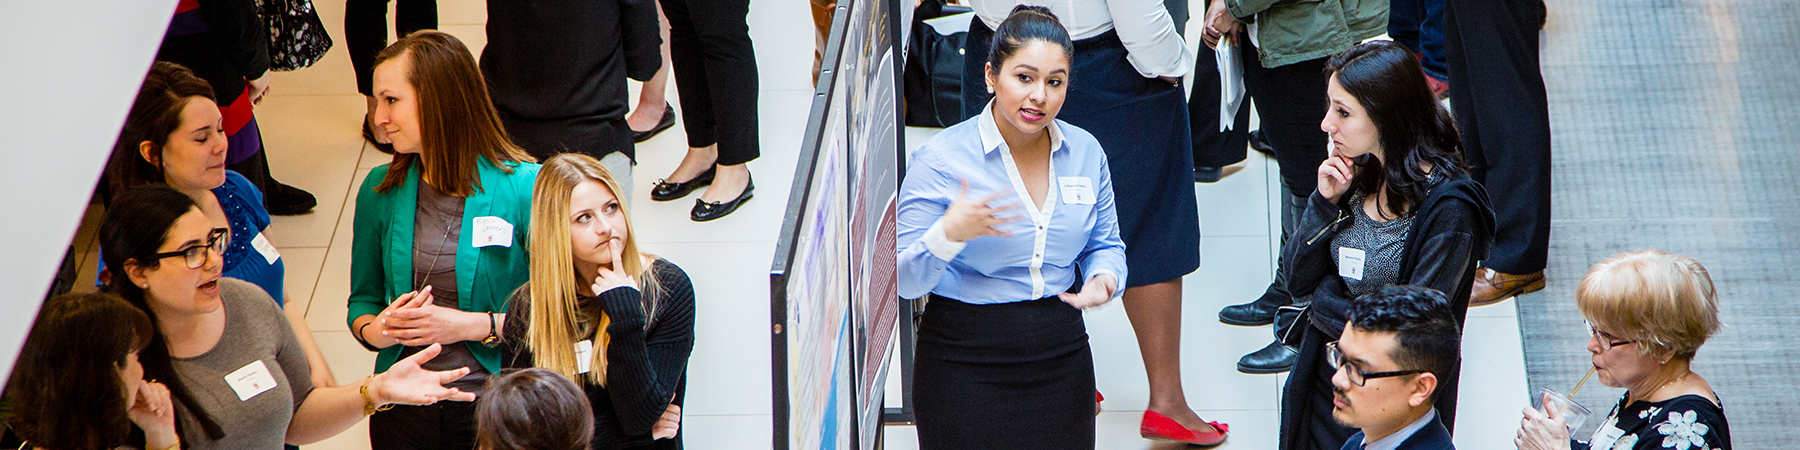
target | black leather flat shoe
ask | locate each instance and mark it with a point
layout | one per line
(1275, 358)
(668, 120)
(665, 191)
(370, 136)
(707, 211)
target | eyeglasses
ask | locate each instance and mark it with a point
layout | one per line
(196, 256)
(1606, 339)
(1356, 374)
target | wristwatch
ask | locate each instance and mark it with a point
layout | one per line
(493, 338)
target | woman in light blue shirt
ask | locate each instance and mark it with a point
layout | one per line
(1007, 219)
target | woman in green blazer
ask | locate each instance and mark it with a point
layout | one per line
(440, 233)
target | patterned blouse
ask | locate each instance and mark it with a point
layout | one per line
(1688, 422)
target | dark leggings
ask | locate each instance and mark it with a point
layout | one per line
(715, 73)
(365, 31)
(1291, 101)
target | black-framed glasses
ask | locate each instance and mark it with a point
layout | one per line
(1356, 374)
(196, 256)
(1608, 340)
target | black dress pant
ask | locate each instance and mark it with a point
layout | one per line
(715, 73)
(365, 31)
(1497, 95)
(446, 425)
(1291, 101)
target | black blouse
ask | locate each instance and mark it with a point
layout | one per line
(1688, 422)
(646, 364)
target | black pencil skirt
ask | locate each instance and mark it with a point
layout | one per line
(1003, 376)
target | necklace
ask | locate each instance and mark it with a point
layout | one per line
(420, 282)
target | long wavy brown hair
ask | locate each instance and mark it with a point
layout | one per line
(457, 120)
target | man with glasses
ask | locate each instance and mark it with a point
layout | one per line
(1399, 346)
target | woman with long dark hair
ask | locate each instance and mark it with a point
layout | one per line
(232, 365)
(1395, 205)
(78, 384)
(995, 214)
(618, 321)
(440, 233)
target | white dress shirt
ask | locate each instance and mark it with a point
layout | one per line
(1152, 44)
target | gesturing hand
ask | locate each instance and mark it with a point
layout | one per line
(965, 219)
(415, 321)
(1542, 430)
(667, 425)
(152, 412)
(1096, 292)
(1334, 177)
(408, 384)
(614, 276)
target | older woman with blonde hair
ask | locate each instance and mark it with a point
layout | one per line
(1649, 311)
(599, 311)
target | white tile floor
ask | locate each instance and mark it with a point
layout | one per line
(310, 122)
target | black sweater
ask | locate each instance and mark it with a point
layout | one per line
(557, 70)
(646, 367)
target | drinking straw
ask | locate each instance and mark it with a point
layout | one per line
(1578, 384)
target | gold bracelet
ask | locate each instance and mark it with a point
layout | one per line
(369, 406)
(177, 446)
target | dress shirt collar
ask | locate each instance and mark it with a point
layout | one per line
(1392, 441)
(990, 131)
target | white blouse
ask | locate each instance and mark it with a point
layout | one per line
(1152, 44)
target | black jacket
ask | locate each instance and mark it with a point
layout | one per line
(1433, 437)
(557, 70)
(224, 42)
(1452, 231)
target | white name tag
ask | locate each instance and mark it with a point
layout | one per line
(262, 245)
(1076, 190)
(490, 231)
(1350, 263)
(251, 380)
(1605, 436)
(584, 355)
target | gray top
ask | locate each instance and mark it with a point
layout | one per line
(255, 331)
(1382, 244)
(437, 227)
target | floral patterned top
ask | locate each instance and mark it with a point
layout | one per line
(1688, 422)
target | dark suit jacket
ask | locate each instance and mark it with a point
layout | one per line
(1433, 437)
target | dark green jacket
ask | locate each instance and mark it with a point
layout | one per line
(381, 262)
(1291, 31)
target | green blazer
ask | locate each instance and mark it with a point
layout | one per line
(381, 263)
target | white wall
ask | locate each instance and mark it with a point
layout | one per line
(68, 72)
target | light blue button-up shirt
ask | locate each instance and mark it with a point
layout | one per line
(1074, 225)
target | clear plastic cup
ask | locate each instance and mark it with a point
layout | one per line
(1573, 414)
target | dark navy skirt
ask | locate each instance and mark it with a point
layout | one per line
(1142, 123)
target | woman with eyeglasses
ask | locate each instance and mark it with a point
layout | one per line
(1394, 205)
(1649, 312)
(231, 363)
(173, 134)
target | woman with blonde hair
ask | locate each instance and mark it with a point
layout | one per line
(618, 321)
(440, 232)
(1649, 311)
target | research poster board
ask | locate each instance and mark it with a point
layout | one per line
(832, 285)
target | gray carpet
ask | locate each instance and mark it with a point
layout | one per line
(1676, 126)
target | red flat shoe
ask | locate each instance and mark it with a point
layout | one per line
(1097, 399)
(1159, 427)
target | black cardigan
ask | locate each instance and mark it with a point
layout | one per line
(557, 69)
(646, 367)
(227, 45)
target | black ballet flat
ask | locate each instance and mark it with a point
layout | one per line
(706, 211)
(665, 191)
(668, 120)
(370, 136)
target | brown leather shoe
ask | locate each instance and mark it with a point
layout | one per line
(1492, 286)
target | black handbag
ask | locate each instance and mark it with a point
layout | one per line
(297, 37)
(933, 77)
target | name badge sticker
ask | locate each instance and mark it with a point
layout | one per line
(1350, 263)
(267, 249)
(584, 355)
(1076, 190)
(492, 231)
(1605, 436)
(252, 379)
